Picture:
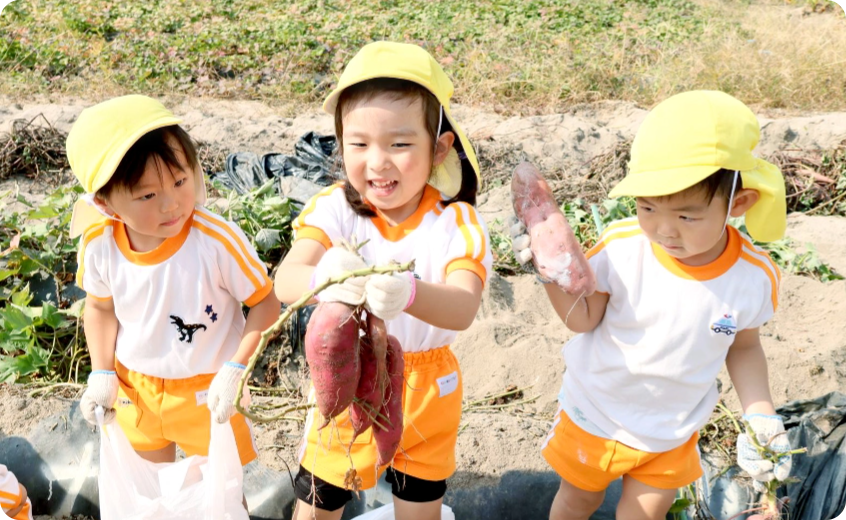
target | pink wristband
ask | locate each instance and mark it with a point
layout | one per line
(413, 289)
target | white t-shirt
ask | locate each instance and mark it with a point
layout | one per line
(646, 375)
(439, 239)
(179, 305)
(10, 493)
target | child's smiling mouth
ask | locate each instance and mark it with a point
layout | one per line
(382, 188)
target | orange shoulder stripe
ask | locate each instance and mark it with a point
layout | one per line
(606, 238)
(238, 258)
(474, 222)
(223, 224)
(300, 220)
(773, 284)
(763, 253)
(90, 234)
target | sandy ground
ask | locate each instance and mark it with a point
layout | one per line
(516, 337)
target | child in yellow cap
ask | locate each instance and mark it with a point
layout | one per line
(13, 499)
(680, 292)
(165, 279)
(409, 194)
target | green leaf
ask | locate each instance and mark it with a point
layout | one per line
(5, 273)
(267, 239)
(14, 318)
(8, 372)
(680, 505)
(22, 296)
(52, 317)
(76, 309)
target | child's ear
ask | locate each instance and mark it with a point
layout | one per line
(743, 201)
(444, 145)
(103, 205)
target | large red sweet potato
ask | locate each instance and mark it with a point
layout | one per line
(557, 254)
(388, 440)
(374, 376)
(332, 353)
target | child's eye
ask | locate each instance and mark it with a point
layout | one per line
(688, 219)
(147, 196)
(645, 209)
(356, 145)
(180, 182)
(401, 145)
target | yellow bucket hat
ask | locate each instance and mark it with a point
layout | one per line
(691, 135)
(98, 141)
(411, 63)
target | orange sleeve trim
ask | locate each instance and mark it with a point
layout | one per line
(314, 233)
(605, 240)
(467, 264)
(235, 238)
(98, 298)
(90, 234)
(259, 295)
(773, 285)
(238, 258)
(312, 204)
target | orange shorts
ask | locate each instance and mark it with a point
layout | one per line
(154, 412)
(591, 463)
(11, 501)
(431, 406)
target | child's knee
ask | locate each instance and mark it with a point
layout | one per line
(578, 502)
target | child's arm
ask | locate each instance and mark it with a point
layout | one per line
(260, 317)
(451, 305)
(101, 326)
(579, 314)
(747, 367)
(224, 386)
(295, 271)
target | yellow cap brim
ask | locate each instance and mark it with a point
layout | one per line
(662, 182)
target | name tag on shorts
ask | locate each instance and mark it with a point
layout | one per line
(202, 397)
(448, 384)
(123, 402)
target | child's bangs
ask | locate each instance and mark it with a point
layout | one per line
(160, 143)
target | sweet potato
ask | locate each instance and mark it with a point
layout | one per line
(390, 415)
(557, 254)
(374, 376)
(332, 353)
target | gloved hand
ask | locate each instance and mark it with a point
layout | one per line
(768, 429)
(224, 386)
(335, 262)
(388, 295)
(102, 391)
(520, 241)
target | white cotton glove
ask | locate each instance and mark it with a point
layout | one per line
(520, 241)
(102, 391)
(768, 428)
(388, 295)
(224, 386)
(335, 262)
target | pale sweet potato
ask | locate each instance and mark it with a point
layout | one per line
(388, 440)
(332, 353)
(557, 255)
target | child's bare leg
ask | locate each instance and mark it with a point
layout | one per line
(644, 502)
(166, 454)
(405, 510)
(572, 503)
(305, 511)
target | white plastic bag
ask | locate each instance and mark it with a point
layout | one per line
(196, 488)
(386, 512)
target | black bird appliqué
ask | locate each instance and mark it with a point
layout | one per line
(186, 331)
